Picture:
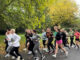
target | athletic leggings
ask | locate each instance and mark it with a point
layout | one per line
(31, 46)
(44, 43)
(50, 45)
(16, 50)
(65, 43)
(6, 47)
(71, 42)
(36, 48)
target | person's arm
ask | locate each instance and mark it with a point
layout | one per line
(31, 38)
(28, 45)
(38, 37)
(46, 41)
(8, 37)
(6, 33)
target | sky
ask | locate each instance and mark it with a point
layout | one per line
(78, 3)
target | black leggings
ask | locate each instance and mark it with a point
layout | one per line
(44, 43)
(16, 50)
(50, 45)
(65, 43)
(6, 47)
(71, 42)
(31, 46)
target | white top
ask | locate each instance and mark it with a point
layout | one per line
(9, 36)
(16, 40)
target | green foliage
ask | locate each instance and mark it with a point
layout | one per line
(21, 14)
(24, 13)
(63, 13)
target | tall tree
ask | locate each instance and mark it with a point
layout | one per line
(63, 12)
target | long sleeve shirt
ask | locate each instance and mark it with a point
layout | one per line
(16, 40)
(77, 35)
(35, 38)
(9, 37)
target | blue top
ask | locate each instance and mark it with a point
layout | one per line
(44, 37)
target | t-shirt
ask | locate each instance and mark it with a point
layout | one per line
(50, 37)
(55, 34)
(44, 37)
(77, 34)
(58, 36)
(27, 35)
(71, 33)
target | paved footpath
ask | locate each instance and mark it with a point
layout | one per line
(73, 55)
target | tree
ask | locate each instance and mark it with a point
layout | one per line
(24, 13)
(63, 12)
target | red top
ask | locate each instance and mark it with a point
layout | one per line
(77, 34)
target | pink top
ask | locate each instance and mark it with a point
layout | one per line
(77, 34)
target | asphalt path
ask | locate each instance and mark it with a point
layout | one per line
(74, 54)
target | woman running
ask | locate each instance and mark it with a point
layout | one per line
(77, 35)
(67, 36)
(71, 34)
(16, 44)
(8, 33)
(28, 41)
(50, 40)
(35, 38)
(64, 38)
(44, 39)
(54, 34)
(59, 44)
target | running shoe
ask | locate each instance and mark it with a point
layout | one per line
(43, 57)
(18, 58)
(24, 49)
(13, 57)
(7, 55)
(54, 55)
(36, 58)
(22, 59)
(30, 52)
(66, 53)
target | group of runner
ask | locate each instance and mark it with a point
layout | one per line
(52, 42)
